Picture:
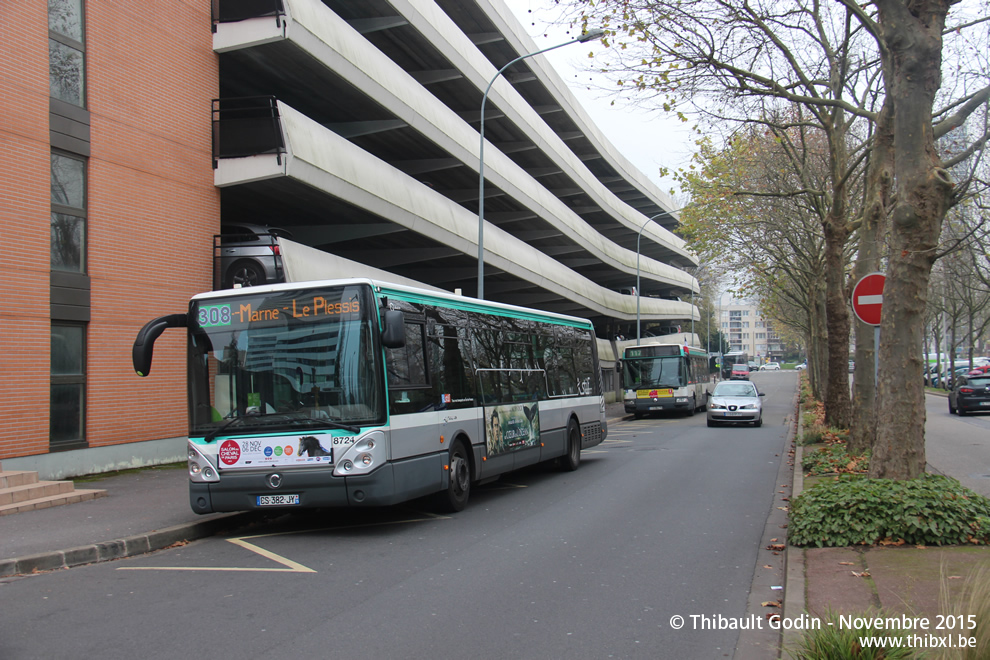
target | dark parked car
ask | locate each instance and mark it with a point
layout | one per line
(970, 394)
(247, 255)
(739, 372)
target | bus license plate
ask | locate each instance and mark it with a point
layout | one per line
(277, 500)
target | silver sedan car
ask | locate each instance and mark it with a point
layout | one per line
(736, 402)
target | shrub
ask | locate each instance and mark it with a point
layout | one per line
(973, 604)
(852, 510)
(835, 642)
(817, 434)
(834, 458)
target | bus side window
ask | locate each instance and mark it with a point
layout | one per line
(406, 368)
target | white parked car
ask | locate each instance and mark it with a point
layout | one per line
(770, 366)
(799, 367)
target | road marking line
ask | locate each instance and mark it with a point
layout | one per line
(291, 566)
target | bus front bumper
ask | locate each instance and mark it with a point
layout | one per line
(318, 488)
(658, 404)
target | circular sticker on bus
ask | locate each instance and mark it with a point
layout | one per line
(230, 452)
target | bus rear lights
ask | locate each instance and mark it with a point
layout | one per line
(365, 459)
(346, 466)
(209, 473)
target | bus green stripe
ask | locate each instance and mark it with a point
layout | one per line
(469, 306)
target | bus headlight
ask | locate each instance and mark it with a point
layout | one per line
(365, 455)
(201, 468)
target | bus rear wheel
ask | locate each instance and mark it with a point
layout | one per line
(455, 497)
(570, 461)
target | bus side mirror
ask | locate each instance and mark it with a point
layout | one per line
(393, 332)
(618, 367)
(144, 344)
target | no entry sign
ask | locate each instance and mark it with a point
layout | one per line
(867, 298)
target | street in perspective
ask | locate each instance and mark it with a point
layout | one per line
(661, 528)
(504, 329)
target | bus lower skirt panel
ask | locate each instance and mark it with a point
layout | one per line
(317, 488)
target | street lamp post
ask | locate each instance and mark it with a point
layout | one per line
(721, 355)
(591, 35)
(696, 271)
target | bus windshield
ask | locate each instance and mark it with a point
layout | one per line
(644, 373)
(284, 359)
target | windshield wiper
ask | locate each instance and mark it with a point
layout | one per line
(290, 419)
(328, 424)
(211, 436)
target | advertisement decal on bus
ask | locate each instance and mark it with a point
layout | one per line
(278, 450)
(512, 426)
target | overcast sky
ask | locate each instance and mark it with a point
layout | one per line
(648, 140)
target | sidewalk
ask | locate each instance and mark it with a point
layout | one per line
(897, 580)
(144, 510)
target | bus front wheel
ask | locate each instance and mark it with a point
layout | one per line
(570, 461)
(455, 497)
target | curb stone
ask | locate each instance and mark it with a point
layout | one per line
(794, 585)
(130, 546)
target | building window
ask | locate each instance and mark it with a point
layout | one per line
(68, 386)
(68, 213)
(66, 51)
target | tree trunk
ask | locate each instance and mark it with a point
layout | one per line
(838, 407)
(817, 349)
(912, 56)
(879, 180)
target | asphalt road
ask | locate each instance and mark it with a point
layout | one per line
(958, 445)
(668, 518)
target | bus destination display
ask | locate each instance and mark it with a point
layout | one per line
(241, 313)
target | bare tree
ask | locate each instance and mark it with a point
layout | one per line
(733, 58)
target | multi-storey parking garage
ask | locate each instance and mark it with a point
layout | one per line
(355, 125)
(364, 142)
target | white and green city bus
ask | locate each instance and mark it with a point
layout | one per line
(664, 377)
(360, 393)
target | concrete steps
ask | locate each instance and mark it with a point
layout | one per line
(23, 491)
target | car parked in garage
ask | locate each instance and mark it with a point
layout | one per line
(735, 402)
(247, 255)
(970, 393)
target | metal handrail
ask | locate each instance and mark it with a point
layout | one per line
(231, 11)
(246, 126)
